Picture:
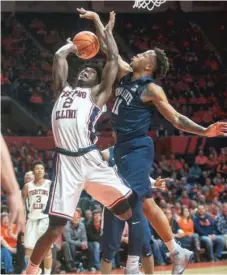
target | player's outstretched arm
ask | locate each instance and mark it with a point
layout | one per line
(157, 96)
(103, 91)
(60, 66)
(123, 67)
(10, 185)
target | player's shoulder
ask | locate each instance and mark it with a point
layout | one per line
(154, 91)
(28, 184)
(48, 182)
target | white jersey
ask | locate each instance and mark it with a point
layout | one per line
(38, 195)
(73, 119)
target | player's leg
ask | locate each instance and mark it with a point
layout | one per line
(28, 253)
(43, 245)
(48, 261)
(43, 225)
(104, 184)
(134, 160)
(147, 256)
(112, 229)
(180, 257)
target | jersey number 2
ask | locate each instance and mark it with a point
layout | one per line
(68, 102)
(116, 106)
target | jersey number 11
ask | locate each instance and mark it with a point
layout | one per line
(116, 105)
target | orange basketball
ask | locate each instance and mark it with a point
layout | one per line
(87, 44)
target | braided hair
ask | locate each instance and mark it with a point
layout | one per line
(162, 63)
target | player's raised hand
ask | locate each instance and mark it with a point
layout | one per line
(160, 183)
(16, 207)
(111, 23)
(217, 129)
(87, 14)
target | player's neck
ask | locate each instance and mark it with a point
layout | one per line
(38, 181)
(138, 75)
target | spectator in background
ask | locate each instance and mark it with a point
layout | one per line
(8, 243)
(87, 216)
(200, 159)
(221, 223)
(75, 235)
(195, 173)
(161, 131)
(188, 237)
(93, 228)
(204, 226)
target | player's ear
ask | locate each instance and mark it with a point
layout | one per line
(149, 67)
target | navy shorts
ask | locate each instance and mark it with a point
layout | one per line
(111, 232)
(134, 160)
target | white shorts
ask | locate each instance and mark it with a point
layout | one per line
(89, 173)
(33, 231)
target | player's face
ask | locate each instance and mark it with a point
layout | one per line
(39, 171)
(88, 77)
(142, 61)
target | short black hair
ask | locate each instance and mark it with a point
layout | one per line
(37, 162)
(162, 63)
(96, 67)
(96, 212)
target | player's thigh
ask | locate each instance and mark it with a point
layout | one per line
(105, 185)
(66, 188)
(111, 232)
(135, 168)
(30, 234)
(42, 226)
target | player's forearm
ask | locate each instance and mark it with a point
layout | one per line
(112, 49)
(65, 50)
(8, 179)
(185, 124)
(100, 32)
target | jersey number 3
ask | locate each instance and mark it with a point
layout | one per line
(117, 105)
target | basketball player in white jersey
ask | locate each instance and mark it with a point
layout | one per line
(79, 164)
(35, 195)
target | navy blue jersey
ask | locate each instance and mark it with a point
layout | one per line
(131, 117)
(111, 157)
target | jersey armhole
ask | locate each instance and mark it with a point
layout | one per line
(125, 77)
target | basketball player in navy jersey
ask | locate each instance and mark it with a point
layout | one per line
(137, 96)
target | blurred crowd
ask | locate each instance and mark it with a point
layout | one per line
(194, 85)
(195, 203)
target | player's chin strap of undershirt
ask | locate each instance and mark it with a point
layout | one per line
(80, 152)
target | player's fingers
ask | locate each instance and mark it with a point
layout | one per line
(223, 134)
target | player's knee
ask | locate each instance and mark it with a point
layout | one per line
(108, 256)
(146, 251)
(56, 227)
(122, 210)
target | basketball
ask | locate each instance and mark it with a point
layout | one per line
(87, 44)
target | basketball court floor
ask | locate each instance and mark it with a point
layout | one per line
(200, 268)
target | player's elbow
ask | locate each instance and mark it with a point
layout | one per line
(113, 56)
(175, 120)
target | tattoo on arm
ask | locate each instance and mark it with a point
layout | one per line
(187, 125)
